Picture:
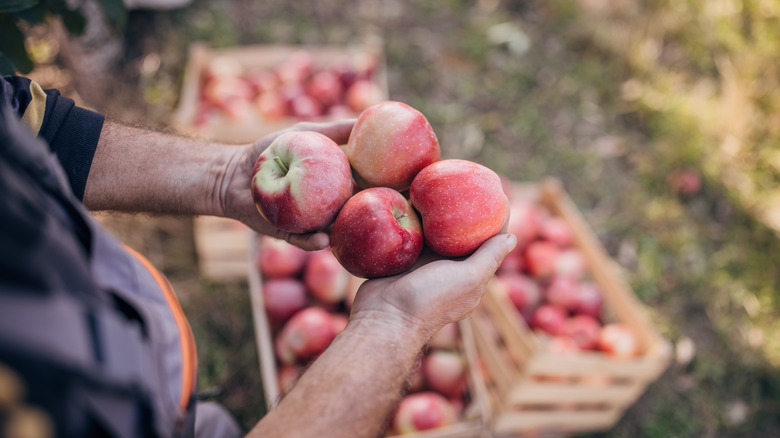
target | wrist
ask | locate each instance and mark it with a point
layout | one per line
(392, 328)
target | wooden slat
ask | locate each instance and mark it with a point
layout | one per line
(543, 393)
(509, 423)
(263, 335)
(592, 363)
(518, 338)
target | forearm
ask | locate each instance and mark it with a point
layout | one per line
(140, 170)
(351, 388)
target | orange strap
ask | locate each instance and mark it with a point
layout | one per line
(188, 351)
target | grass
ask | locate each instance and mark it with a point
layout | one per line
(610, 97)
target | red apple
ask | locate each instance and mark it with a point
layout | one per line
(340, 322)
(296, 68)
(525, 219)
(221, 89)
(557, 230)
(277, 258)
(262, 81)
(301, 181)
(461, 204)
(445, 372)
(283, 298)
(307, 334)
(305, 107)
(563, 291)
(446, 338)
(390, 143)
(423, 411)
(326, 279)
(589, 300)
(326, 87)
(523, 291)
(513, 262)
(549, 319)
(539, 258)
(584, 330)
(570, 263)
(272, 105)
(562, 345)
(619, 340)
(364, 93)
(376, 234)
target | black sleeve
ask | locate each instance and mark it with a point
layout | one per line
(71, 132)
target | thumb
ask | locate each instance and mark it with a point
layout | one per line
(490, 255)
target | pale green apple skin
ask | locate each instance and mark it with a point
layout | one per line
(390, 143)
(301, 181)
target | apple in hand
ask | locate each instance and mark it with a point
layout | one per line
(461, 203)
(326, 279)
(301, 181)
(376, 234)
(390, 143)
(307, 334)
(423, 411)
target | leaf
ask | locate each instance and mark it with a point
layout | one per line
(12, 45)
(16, 5)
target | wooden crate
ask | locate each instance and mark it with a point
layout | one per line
(255, 126)
(538, 393)
(222, 246)
(475, 419)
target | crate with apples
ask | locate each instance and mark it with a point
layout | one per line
(566, 346)
(242, 93)
(301, 301)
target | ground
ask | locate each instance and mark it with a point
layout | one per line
(609, 97)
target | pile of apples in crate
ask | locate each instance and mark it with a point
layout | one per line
(297, 87)
(307, 298)
(546, 277)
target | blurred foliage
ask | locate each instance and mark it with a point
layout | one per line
(16, 16)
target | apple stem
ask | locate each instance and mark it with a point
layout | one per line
(282, 164)
(403, 215)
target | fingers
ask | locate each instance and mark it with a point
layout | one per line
(309, 242)
(338, 131)
(490, 255)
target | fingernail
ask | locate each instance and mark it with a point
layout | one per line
(511, 241)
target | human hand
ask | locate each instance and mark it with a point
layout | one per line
(237, 197)
(435, 292)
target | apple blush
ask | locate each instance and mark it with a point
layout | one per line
(376, 234)
(461, 203)
(300, 181)
(390, 143)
